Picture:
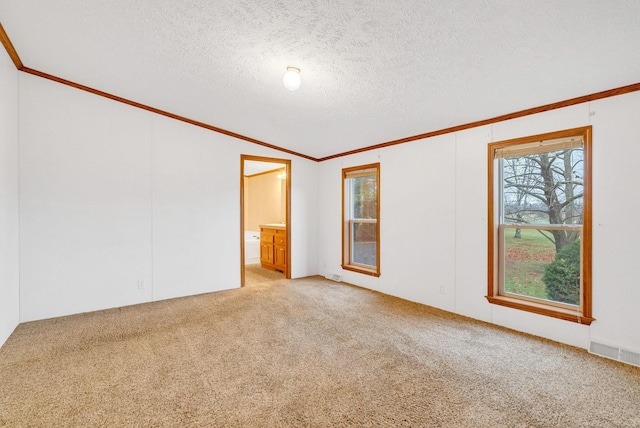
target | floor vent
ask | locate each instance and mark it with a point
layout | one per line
(629, 357)
(614, 353)
(334, 277)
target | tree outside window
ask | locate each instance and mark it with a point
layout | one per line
(540, 224)
(360, 225)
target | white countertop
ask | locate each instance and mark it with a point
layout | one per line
(274, 225)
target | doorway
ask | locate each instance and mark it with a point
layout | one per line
(265, 218)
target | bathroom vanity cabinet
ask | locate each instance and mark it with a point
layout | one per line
(273, 247)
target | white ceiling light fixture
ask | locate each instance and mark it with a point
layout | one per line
(291, 79)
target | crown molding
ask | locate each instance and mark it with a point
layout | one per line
(527, 112)
(13, 54)
(161, 112)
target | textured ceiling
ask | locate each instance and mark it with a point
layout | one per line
(372, 70)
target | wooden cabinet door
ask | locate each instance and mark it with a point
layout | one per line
(266, 253)
(280, 257)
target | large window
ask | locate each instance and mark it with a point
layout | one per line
(360, 219)
(540, 224)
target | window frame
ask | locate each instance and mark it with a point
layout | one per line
(348, 222)
(583, 313)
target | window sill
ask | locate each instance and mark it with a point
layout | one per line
(362, 270)
(541, 309)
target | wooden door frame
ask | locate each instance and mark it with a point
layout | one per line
(287, 163)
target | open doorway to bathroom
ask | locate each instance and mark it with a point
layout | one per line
(265, 236)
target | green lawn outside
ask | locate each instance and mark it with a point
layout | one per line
(525, 262)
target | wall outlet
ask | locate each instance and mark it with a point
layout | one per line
(441, 289)
(141, 284)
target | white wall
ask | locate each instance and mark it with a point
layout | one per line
(304, 218)
(85, 201)
(113, 197)
(434, 220)
(9, 202)
(616, 271)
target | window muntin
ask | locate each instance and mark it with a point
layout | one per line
(540, 224)
(360, 225)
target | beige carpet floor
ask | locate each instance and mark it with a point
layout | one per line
(301, 353)
(255, 274)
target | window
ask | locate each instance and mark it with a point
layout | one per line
(360, 219)
(540, 224)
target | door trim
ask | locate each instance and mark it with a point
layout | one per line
(287, 163)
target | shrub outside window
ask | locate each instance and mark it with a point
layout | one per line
(540, 224)
(360, 219)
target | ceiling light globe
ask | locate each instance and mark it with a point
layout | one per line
(291, 78)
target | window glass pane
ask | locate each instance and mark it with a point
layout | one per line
(364, 243)
(360, 219)
(544, 188)
(540, 224)
(534, 268)
(364, 197)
